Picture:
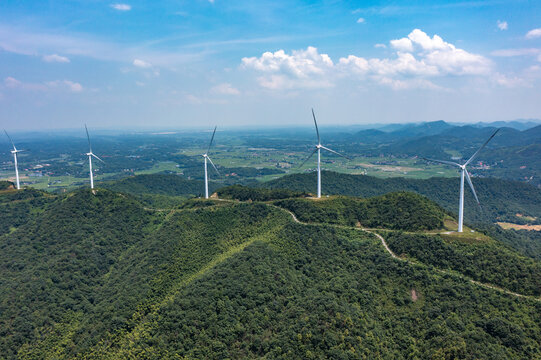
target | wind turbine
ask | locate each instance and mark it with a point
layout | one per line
(206, 157)
(317, 149)
(90, 154)
(464, 173)
(14, 152)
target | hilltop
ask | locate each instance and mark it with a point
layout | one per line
(102, 276)
(499, 198)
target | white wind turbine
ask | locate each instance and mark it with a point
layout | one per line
(464, 173)
(14, 152)
(206, 157)
(90, 154)
(317, 149)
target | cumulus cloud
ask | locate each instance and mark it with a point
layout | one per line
(303, 68)
(382, 46)
(417, 58)
(141, 64)
(360, 20)
(403, 44)
(121, 7)
(532, 34)
(225, 89)
(502, 25)
(55, 58)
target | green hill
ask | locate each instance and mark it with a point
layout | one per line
(161, 190)
(500, 199)
(398, 211)
(102, 277)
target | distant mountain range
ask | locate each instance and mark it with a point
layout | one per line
(512, 154)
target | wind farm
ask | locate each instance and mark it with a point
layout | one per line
(285, 234)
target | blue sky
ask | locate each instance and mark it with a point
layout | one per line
(197, 63)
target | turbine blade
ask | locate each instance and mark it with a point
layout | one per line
(212, 138)
(211, 163)
(334, 152)
(317, 130)
(443, 162)
(471, 186)
(481, 148)
(9, 137)
(88, 137)
(96, 156)
(308, 158)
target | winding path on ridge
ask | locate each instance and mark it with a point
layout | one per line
(383, 242)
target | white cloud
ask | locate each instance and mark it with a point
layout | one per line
(65, 84)
(445, 56)
(71, 86)
(409, 84)
(427, 43)
(403, 44)
(121, 7)
(535, 33)
(55, 58)
(225, 89)
(382, 46)
(360, 20)
(502, 25)
(141, 64)
(509, 81)
(417, 58)
(539, 58)
(12, 82)
(303, 68)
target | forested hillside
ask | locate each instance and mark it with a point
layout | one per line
(101, 276)
(398, 211)
(500, 199)
(160, 184)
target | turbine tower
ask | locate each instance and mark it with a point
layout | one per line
(90, 154)
(206, 157)
(464, 174)
(14, 152)
(317, 149)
